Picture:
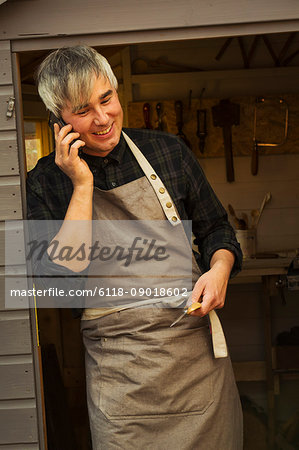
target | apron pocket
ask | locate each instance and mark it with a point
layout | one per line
(146, 377)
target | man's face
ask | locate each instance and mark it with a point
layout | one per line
(100, 121)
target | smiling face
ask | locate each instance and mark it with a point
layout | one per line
(100, 121)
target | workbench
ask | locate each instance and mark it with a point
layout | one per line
(267, 272)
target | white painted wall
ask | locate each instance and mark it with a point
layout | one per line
(278, 229)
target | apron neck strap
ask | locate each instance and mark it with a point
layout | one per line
(156, 183)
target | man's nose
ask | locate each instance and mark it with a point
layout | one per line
(100, 117)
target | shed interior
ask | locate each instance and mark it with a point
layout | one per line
(199, 73)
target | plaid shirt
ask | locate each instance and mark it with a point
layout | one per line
(49, 190)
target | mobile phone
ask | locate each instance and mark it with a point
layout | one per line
(53, 119)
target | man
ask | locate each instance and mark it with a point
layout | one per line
(148, 385)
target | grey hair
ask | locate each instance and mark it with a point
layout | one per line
(68, 74)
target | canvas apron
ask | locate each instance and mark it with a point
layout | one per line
(150, 386)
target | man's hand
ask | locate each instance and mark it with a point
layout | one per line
(67, 158)
(210, 289)
(74, 234)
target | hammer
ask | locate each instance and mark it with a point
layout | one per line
(225, 115)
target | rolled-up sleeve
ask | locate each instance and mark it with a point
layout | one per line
(210, 224)
(42, 228)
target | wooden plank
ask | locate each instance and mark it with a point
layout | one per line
(242, 302)
(31, 19)
(10, 199)
(280, 264)
(19, 44)
(5, 63)
(12, 247)
(59, 426)
(268, 333)
(17, 423)
(280, 311)
(9, 156)
(76, 398)
(73, 377)
(278, 228)
(287, 357)
(278, 231)
(244, 332)
(33, 109)
(18, 417)
(268, 170)
(15, 293)
(72, 345)
(13, 277)
(245, 280)
(34, 348)
(15, 335)
(190, 77)
(49, 323)
(20, 447)
(284, 194)
(275, 220)
(127, 82)
(249, 353)
(6, 123)
(277, 243)
(217, 83)
(250, 371)
(251, 275)
(10, 300)
(16, 380)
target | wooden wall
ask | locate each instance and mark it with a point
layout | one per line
(278, 229)
(156, 67)
(20, 20)
(18, 413)
(278, 166)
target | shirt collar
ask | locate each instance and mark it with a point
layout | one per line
(116, 155)
(118, 152)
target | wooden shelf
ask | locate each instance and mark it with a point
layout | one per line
(178, 77)
(250, 370)
(254, 269)
(286, 359)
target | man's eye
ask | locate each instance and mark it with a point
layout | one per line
(81, 113)
(105, 101)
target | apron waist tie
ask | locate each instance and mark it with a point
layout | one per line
(218, 338)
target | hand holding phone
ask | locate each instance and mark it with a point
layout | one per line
(67, 146)
(59, 120)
